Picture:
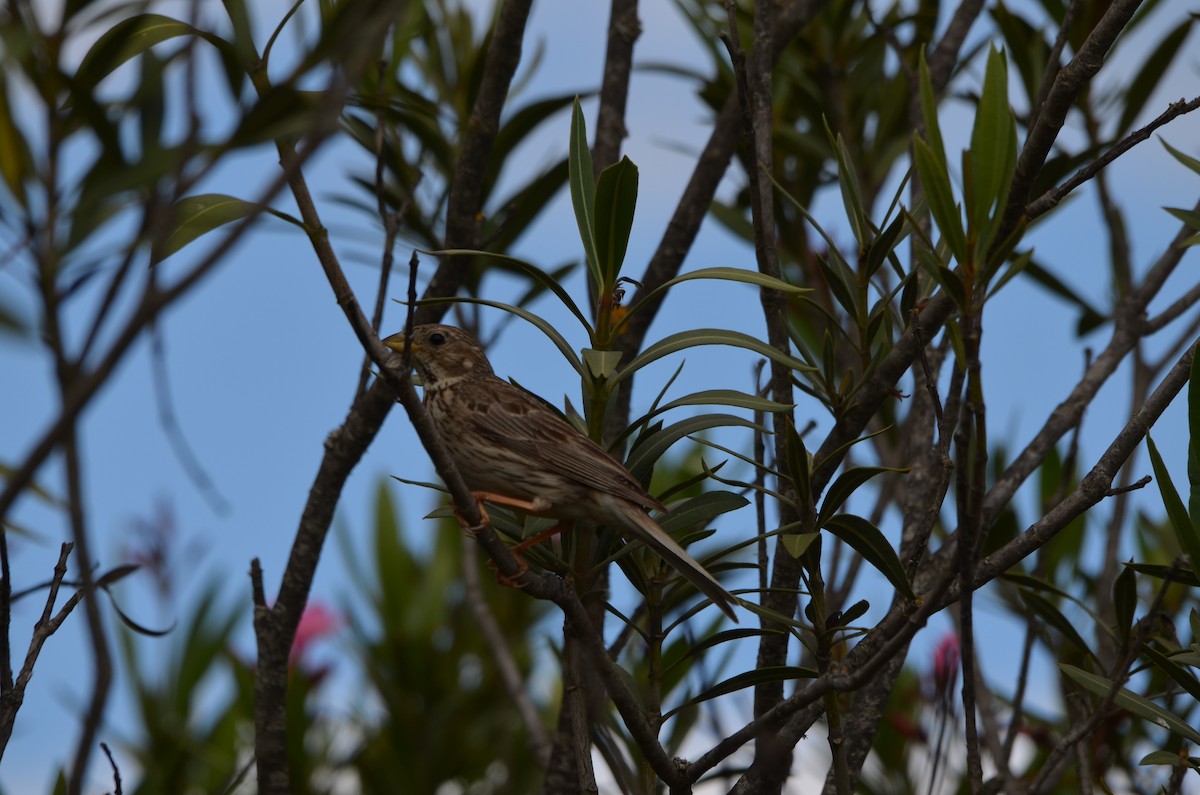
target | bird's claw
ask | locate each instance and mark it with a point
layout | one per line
(485, 520)
(514, 580)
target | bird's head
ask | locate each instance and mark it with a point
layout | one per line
(443, 353)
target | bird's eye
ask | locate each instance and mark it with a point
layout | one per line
(437, 339)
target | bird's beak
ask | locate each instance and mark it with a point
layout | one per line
(395, 342)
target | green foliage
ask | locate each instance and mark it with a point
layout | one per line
(429, 670)
(185, 740)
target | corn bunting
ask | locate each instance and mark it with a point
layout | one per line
(512, 450)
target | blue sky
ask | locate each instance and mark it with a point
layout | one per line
(262, 365)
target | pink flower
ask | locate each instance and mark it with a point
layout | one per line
(945, 664)
(318, 621)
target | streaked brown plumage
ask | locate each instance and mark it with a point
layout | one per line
(507, 445)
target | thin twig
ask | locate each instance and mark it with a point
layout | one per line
(1051, 198)
(1127, 319)
(115, 770)
(506, 663)
(391, 226)
(172, 428)
(6, 600)
(1060, 97)
(101, 657)
(1053, 61)
(1177, 308)
(47, 625)
(237, 780)
(465, 197)
(151, 305)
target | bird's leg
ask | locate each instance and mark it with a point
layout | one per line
(534, 540)
(516, 551)
(537, 505)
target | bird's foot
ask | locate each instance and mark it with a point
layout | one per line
(515, 580)
(520, 548)
(485, 520)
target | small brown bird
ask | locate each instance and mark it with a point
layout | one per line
(512, 450)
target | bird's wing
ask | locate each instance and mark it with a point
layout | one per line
(517, 420)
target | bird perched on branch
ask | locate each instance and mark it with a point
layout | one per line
(514, 451)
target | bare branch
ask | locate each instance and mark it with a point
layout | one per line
(1059, 98)
(1051, 198)
(466, 189)
(14, 694)
(623, 30)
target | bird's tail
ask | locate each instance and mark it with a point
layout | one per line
(648, 531)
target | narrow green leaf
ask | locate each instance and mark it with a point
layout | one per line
(1188, 161)
(1125, 601)
(516, 129)
(1149, 77)
(698, 511)
(798, 543)
(542, 324)
(1051, 615)
(724, 274)
(860, 224)
(989, 139)
(1194, 440)
(1190, 218)
(885, 244)
(1170, 758)
(1185, 532)
(933, 130)
(583, 190)
(853, 613)
(531, 270)
(127, 39)
(1138, 705)
(1169, 573)
(1089, 317)
(1181, 676)
(726, 397)
(650, 447)
(616, 200)
(758, 676)
(711, 397)
(716, 639)
(798, 468)
(867, 540)
(945, 277)
(842, 282)
(15, 161)
(34, 488)
(1019, 262)
(845, 485)
(707, 336)
(133, 36)
(1025, 582)
(936, 181)
(198, 215)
